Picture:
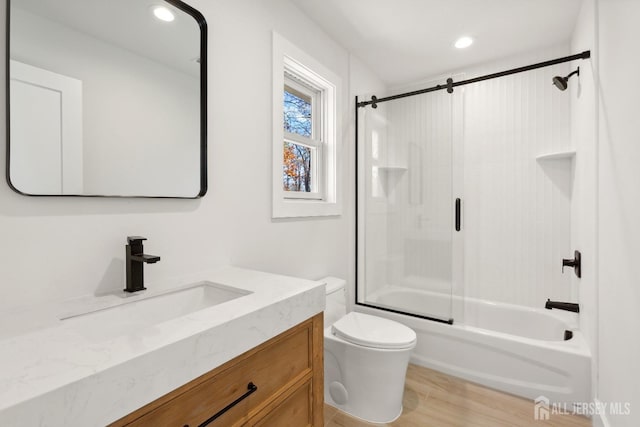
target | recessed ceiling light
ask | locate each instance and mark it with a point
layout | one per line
(163, 14)
(464, 42)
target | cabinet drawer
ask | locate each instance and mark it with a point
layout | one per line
(273, 368)
(295, 411)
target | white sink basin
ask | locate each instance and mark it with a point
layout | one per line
(140, 311)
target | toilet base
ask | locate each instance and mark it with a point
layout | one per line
(366, 383)
(362, 419)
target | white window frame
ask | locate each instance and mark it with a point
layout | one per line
(311, 78)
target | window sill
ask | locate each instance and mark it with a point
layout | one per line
(300, 208)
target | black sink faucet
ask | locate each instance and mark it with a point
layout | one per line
(135, 260)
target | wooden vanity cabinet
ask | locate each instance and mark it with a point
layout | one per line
(278, 383)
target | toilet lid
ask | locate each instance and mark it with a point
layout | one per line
(372, 331)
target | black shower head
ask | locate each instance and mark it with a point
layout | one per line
(563, 82)
(560, 82)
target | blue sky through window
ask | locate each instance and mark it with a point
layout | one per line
(297, 114)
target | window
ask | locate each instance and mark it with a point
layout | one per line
(302, 161)
(305, 135)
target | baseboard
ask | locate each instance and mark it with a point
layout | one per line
(599, 420)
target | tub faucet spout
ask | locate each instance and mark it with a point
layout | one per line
(569, 306)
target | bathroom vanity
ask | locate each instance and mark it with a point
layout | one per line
(276, 383)
(122, 360)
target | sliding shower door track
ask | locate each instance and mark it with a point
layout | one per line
(406, 313)
(450, 84)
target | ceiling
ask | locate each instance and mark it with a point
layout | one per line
(407, 40)
(130, 25)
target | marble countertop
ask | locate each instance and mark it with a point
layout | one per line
(52, 376)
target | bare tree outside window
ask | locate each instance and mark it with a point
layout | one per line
(297, 161)
(296, 168)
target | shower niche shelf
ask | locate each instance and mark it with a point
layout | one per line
(389, 177)
(392, 168)
(568, 155)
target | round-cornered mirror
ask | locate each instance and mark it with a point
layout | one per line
(106, 98)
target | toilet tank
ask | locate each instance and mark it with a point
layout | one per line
(336, 299)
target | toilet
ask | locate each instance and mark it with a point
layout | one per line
(365, 359)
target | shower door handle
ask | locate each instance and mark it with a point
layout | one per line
(458, 213)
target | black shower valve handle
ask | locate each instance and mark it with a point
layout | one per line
(575, 263)
(568, 263)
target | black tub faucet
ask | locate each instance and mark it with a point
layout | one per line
(135, 260)
(569, 306)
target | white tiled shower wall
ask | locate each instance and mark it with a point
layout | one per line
(517, 208)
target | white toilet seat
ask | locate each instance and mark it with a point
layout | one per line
(372, 331)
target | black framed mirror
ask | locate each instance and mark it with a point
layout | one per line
(106, 98)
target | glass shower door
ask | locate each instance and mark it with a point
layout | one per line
(409, 252)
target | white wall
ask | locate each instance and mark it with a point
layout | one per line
(619, 207)
(421, 212)
(583, 210)
(57, 248)
(517, 208)
(140, 117)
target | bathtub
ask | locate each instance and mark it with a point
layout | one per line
(515, 349)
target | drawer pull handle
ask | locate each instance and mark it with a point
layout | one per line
(251, 387)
